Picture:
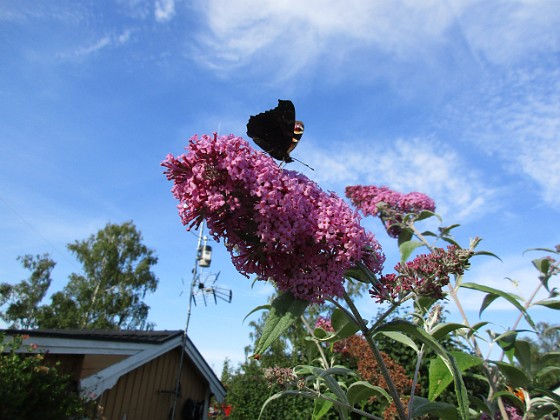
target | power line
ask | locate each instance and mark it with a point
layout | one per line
(36, 232)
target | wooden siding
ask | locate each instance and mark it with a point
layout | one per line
(146, 393)
(93, 363)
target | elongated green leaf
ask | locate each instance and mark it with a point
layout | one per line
(514, 300)
(486, 302)
(401, 338)
(422, 406)
(404, 236)
(258, 308)
(549, 250)
(284, 310)
(441, 330)
(488, 254)
(333, 385)
(362, 390)
(282, 394)
(343, 323)
(407, 248)
(425, 214)
(515, 376)
(546, 370)
(542, 264)
(448, 359)
(321, 406)
(523, 354)
(550, 357)
(451, 241)
(439, 375)
(507, 342)
(476, 327)
(549, 303)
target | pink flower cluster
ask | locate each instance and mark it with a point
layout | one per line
(426, 275)
(276, 223)
(389, 205)
(324, 324)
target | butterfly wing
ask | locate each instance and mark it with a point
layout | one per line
(273, 130)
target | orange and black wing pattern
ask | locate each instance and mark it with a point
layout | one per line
(276, 131)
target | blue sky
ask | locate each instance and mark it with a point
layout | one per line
(456, 99)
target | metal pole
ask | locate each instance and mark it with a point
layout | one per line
(184, 340)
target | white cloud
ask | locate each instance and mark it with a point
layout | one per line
(164, 10)
(107, 41)
(419, 164)
(505, 32)
(517, 120)
(288, 35)
(514, 275)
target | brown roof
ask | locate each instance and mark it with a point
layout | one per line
(155, 337)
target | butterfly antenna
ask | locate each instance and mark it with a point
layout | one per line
(303, 163)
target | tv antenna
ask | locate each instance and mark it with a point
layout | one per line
(203, 288)
(203, 285)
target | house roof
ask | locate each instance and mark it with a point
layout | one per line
(107, 335)
(140, 346)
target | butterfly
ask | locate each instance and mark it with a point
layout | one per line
(276, 131)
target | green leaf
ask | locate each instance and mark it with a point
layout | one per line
(407, 248)
(549, 303)
(546, 370)
(284, 310)
(362, 390)
(424, 303)
(422, 406)
(488, 254)
(401, 338)
(283, 393)
(451, 241)
(404, 236)
(549, 250)
(542, 264)
(425, 214)
(439, 375)
(486, 302)
(476, 327)
(322, 406)
(343, 327)
(515, 376)
(514, 300)
(258, 308)
(441, 330)
(507, 343)
(523, 354)
(448, 359)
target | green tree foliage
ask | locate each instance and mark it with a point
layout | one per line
(23, 299)
(547, 342)
(247, 390)
(108, 293)
(29, 389)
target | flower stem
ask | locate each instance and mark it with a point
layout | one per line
(378, 357)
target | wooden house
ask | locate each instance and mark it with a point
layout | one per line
(133, 375)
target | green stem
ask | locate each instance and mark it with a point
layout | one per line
(378, 357)
(323, 356)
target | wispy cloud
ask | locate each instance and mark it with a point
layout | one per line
(289, 35)
(164, 10)
(105, 42)
(419, 164)
(516, 119)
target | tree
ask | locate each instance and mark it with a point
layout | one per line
(23, 298)
(31, 389)
(110, 292)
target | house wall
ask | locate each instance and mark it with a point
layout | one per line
(146, 393)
